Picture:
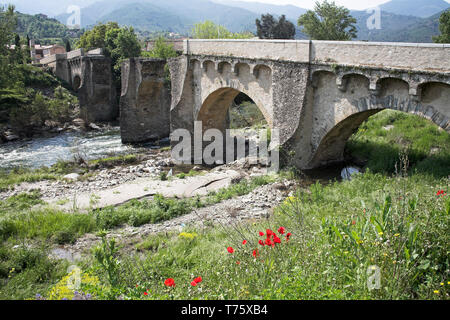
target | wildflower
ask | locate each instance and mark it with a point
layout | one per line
(198, 279)
(244, 242)
(169, 282)
(436, 291)
(193, 283)
(380, 233)
(269, 233)
(269, 242)
(276, 239)
(441, 193)
(238, 262)
(261, 242)
(397, 235)
(281, 230)
(255, 253)
(261, 234)
(353, 222)
(442, 283)
(230, 249)
(145, 293)
(288, 236)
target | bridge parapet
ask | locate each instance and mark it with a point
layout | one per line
(411, 56)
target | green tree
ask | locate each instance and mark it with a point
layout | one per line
(444, 28)
(269, 28)
(210, 30)
(161, 50)
(118, 43)
(328, 22)
(8, 22)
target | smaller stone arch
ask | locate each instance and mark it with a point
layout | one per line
(76, 82)
(262, 70)
(224, 67)
(208, 65)
(342, 80)
(240, 68)
(393, 86)
(317, 74)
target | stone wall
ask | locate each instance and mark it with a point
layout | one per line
(427, 57)
(90, 76)
(145, 101)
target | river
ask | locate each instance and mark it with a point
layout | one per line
(46, 151)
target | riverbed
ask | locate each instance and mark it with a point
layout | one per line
(46, 151)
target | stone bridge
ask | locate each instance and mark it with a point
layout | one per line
(90, 76)
(316, 93)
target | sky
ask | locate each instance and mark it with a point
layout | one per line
(309, 4)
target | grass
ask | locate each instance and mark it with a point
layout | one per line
(338, 233)
(427, 147)
(390, 219)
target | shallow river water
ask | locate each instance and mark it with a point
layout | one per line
(47, 151)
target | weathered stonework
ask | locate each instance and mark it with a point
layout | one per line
(316, 93)
(145, 101)
(90, 76)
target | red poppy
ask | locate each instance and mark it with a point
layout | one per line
(281, 230)
(198, 280)
(288, 236)
(145, 293)
(230, 249)
(169, 282)
(193, 283)
(238, 262)
(261, 234)
(353, 222)
(269, 233)
(261, 242)
(441, 193)
(269, 242)
(244, 242)
(255, 253)
(276, 239)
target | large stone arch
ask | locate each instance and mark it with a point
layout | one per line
(214, 108)
(393, 93)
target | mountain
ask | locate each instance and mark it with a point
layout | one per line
(179, 15)
(417, 8)
(47, 7)
(41, 27)
(291, 12)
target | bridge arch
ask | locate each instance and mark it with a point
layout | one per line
(214, 108)
(76, 82)
(394, 94)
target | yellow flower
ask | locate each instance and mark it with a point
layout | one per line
(380, 233)
(397, 235)
(442, 283)
(436, 291)
(188, 236)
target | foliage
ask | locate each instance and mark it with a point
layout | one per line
(161, 50)
(118, 43)
(269, 28)
(40, 27)
(444, 28)
(426, 146)
(328, 22)
(24, 271)
(210, 30)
